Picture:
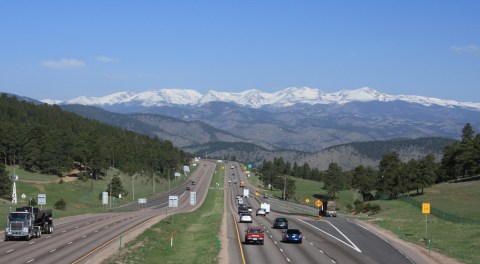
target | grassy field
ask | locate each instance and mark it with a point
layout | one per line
(313, 190)
(195, 234)
(459, 241)
(81, 197)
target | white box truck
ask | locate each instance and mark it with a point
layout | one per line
(266, 207)
(245, 192)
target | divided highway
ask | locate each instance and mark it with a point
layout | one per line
(78, 239)
(331, 240)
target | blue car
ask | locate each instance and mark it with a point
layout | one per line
(292, 235)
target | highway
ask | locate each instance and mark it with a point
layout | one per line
(331, 240)
(78, 239)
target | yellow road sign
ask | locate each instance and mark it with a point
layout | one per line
(425, 208)
(257, 193)
(318, 203)
(307, 200)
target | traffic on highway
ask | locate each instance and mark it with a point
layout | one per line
(281, 237)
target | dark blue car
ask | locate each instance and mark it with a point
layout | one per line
(292, 235)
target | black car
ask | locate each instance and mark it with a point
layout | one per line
(188, 188)
(193, 182)
(280, 222)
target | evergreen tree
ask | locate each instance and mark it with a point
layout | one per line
(334, 179)
(116, 187)
(363, 179)
(5, 182)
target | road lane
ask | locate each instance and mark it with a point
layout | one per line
(77, 236)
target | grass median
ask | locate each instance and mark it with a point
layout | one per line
(195, 234)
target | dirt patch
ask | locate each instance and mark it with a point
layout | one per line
(68, 179)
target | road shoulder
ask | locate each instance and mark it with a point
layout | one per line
(415, 253)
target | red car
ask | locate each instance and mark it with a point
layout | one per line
(254, 234)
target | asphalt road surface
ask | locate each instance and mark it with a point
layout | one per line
(331, 240)
(79, 239)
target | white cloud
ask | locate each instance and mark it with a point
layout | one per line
(64, 64)
(105, 59)
(471, 49)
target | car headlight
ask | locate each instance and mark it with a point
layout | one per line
(25, 229)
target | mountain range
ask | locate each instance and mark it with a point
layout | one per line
(300, 124)
(256, 99)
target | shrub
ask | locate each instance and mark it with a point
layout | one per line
(61, 181)
(60, 205)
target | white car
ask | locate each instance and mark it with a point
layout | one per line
(245, 218)
(261, 211)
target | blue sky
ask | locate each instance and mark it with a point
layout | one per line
(65, 49)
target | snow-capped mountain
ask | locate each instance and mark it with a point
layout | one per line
(257, 99)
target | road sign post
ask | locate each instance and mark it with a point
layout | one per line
(426, 211)
(318, 203)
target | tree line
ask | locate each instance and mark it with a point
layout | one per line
(44, 138)
(392, 177)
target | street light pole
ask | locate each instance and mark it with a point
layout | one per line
(133, 189)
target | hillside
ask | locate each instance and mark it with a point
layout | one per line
(46, 139)
(203, 139)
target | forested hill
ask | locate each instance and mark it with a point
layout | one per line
(47, 139)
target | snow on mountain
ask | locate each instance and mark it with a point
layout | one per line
(256, 99)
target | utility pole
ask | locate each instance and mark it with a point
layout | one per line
(284, 187)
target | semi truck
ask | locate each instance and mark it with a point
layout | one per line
(328, 209)
(28, 222)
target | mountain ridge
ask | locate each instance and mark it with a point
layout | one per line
(256, 99)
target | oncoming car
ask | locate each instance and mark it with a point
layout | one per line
(292, 235)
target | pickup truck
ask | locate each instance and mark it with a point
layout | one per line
(254, 234)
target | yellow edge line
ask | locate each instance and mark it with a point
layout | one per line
(239, 241)
(108, 242)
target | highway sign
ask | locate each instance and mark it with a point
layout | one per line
(172, 201)
(307, 200)
(318, 203)
(193, 198)
(425, 208)
(104, 197)
(42, 198)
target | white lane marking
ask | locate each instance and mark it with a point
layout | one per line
(11, 250)
(64, 231)
(31, 243)
(84, 236)
(95, 231)
(281, 250)
(288, 259)
(311, 243)
(49, 236)
(352, 246)
(88, 223)
(69, 242)
(321, 251)
(275, 242)
(76, 227)
(53, 250)
(333, 261)
(32, 260)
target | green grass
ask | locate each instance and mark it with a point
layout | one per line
(459, 241)
(81, 197)
(196, 238)
(455, 198)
